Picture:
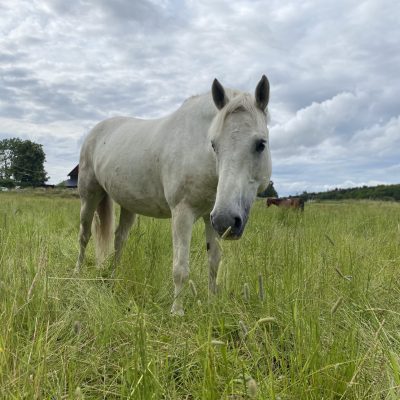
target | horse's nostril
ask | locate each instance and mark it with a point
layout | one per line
(238, 222)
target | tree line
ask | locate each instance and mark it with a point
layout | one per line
(269, 191)
(380, 192)
(21, 163)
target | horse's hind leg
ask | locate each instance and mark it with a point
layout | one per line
(126, 220)
(214, 255)
(88, 207)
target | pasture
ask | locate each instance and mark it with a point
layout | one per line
(326, 326)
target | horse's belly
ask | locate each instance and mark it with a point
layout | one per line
(149, 208)
(139, 197)
(133, 182)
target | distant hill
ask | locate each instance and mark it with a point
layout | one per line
(380, 192)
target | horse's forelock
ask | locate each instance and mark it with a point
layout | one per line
(239, 102)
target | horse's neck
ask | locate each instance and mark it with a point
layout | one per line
(201, 107)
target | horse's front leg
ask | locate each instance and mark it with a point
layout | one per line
(213, 253)
(182, 224)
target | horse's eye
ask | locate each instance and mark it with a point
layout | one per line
(213, 146)
(260, 145)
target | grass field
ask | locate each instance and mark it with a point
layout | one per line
(329, 308)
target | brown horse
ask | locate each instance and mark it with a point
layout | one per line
(296, 203)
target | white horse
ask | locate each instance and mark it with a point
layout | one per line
(210, 156)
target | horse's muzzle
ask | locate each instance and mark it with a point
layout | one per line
(221, 222)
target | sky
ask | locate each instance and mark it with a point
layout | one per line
(333, 67)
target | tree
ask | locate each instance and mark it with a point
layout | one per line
(8, 148)
(269, 191)
(22, 163)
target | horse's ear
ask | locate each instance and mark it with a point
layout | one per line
(218, 94)
(262, 93)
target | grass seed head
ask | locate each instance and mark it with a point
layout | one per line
(252, 388)
(220, 274)
(246, 292)
(193, 288)
(243, 328)
(78, 393)
(266, 320)
(77, 327)
(216, 342)
(261, 287)
(336, 305)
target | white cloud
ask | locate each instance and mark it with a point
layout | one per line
(333, 68)
(318, 122)
(379, 140)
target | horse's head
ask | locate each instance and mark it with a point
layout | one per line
(239, 137)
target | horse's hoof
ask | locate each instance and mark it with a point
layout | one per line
(177, 311)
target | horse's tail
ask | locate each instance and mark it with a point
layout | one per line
(103, 229)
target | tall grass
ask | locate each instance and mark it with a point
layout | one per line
(326, 327)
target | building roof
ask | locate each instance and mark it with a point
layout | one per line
(75, 171)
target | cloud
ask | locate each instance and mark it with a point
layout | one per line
(362, 157)
(379, 141)
(318, 122)
(333, 68)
